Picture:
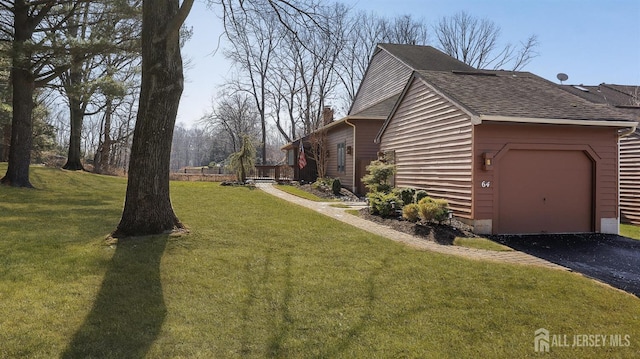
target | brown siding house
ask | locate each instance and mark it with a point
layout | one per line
(510, 151)
(625, 98)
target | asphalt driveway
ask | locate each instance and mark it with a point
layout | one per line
(611, 259)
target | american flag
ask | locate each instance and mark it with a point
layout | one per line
(302, 159)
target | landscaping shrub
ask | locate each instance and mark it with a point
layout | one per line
(420, 195)
(382, 203)
(433, 210)
(379, 177)
(328, 185)
(410, 212)
(405, 194)
(336, 186)
(242, 161)
(323, 184)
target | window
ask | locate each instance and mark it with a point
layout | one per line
(291, 157)
(342, 157)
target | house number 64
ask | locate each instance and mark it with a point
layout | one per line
(486, 184)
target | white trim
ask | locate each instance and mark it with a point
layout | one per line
(356, 117)
(609, 225)
(555, 121)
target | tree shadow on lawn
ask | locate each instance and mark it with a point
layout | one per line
(129, 310)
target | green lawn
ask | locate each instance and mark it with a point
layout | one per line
(630, 231)
(259, 277)
(480, 243)
(301, 193)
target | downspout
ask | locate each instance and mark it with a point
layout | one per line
(353, 156)
(631, 130)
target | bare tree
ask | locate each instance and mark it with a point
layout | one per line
(233, 117)
(365, 31)
(191, 147)
(302, 37)
(310, 57)
(319, 142)
(116, 144)
(475, 42)
(282, 90)
(404, 29)
(254, 38)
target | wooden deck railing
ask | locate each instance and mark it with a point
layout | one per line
(279, 173)
(271, 173)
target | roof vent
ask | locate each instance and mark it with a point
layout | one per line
(581, 88)
(475, 73)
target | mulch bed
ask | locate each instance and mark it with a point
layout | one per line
(345, 194)
(443, 233)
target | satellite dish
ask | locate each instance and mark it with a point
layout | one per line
(562, 77)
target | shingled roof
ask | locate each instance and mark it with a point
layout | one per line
(624, 97)
(380, 110)
(517, 94)
(425, 58)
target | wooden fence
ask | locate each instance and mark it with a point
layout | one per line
(279, 173)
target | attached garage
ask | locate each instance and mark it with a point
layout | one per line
(545, 191)
(545, 178)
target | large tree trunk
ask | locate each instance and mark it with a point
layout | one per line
(101, 162)
(23, 89)
(21, 130)
(76, 106)
(74, 157)
(147, 208)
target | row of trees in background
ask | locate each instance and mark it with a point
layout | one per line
(81, 54)
(220, 134)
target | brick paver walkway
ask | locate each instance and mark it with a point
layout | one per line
(416, 242)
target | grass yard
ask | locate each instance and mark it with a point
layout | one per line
(259, 277)
(480, 243)
(302, 193)
(629, 230)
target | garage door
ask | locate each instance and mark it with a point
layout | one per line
(545, 192)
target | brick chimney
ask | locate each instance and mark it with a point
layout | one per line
(327, 115)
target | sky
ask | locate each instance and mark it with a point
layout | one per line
(592, 41)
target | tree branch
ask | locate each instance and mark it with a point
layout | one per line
(172, 30)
